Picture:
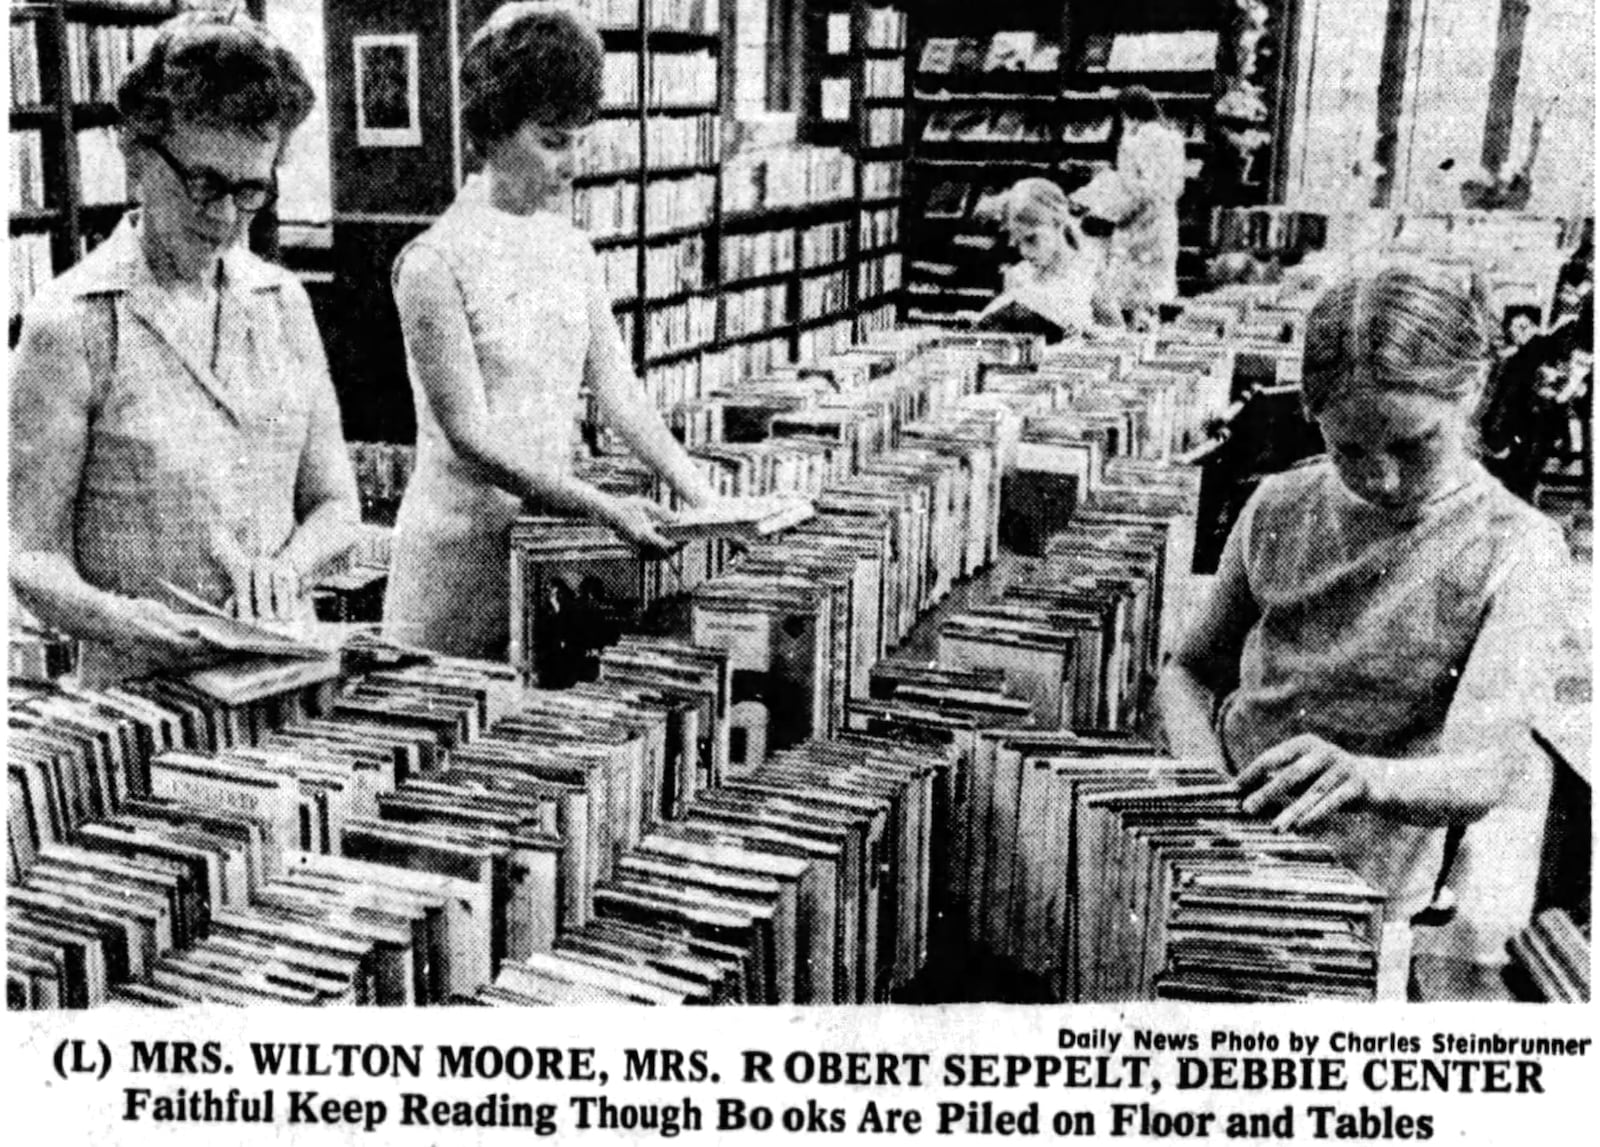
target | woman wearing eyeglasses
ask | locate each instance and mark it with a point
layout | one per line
(172, 418)
(505, 314)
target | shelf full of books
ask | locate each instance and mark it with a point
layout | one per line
(994, 101)
(855, 74)
(68, 185)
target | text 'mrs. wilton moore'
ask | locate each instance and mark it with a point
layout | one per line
(296, 1083)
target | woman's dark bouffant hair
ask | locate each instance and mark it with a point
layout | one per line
(219, 71)
(1400, 325)
(531, 61)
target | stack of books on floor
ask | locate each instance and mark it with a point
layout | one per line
(1550, 960)
(804, 881)
(1017, 851)
(1193, 899)
(1080, 632)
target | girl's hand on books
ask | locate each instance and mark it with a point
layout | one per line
(1307, 778)
(154, 629)
(636, 519)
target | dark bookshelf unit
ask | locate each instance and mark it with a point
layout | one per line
(857, 99)
(65, 113)
(63, 223)
(996, 97)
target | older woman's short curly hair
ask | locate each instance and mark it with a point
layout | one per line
(531, 61)
(219, 71)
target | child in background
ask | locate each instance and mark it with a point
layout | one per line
(1060, 272)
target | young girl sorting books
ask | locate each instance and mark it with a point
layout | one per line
(1371, 653)
(1060, 268)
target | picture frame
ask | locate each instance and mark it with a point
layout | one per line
(388, 90)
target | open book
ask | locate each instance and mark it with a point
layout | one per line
(215, 627)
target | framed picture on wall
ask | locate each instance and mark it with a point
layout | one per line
(388, 99)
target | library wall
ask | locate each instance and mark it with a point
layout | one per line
(392, 179)
(305, 183)
(1335, 108)
(1558, 59)
(1425, 113)
(1445, 102)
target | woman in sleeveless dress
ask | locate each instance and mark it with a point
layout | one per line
(173, 424)
(505, 314)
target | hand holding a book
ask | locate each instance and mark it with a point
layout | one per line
(638, 520)
(152, 628)
(1308, 778)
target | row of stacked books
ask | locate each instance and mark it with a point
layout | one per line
(984, 126)
(99, 56)
(38, 653)
(1112, 873)
(879, 227)
(698, 16)
(681, 80)
(26, 89)
(27, 171)
(906, 486)
(32, 266)
(883, 79)
(883, 127)
(614, 147)
(800, 620)
(1004, 52)
(1186, 897)
(673, 268)
(1075, 639)
(430, 834)
(781, 177)
(881, 179)
(1283, 230)
(885, 28)
(619, 83)
(802, 881)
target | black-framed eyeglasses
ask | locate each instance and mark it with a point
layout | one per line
(206, 188)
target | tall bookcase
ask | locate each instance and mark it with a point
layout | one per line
(997, 97)
(63, 205)
(68, 57)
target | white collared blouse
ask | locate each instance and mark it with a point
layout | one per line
(153, 458)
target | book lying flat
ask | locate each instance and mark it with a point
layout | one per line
(738, 518)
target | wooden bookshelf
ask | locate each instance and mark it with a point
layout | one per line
(861, 44)
(73, 225)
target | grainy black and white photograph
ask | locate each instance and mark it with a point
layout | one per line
(799, 502)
